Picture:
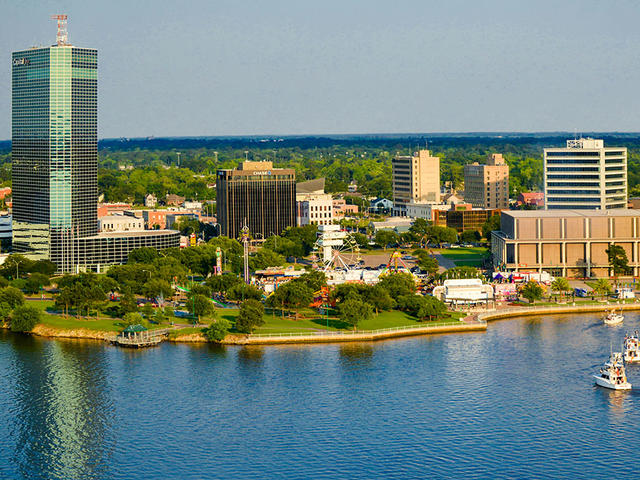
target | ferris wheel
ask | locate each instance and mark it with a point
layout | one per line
(335, 249)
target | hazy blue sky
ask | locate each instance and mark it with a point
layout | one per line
(220, 67)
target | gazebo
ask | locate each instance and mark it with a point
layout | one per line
(133, 330)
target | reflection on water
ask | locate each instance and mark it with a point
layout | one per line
(251, 353)
(517, 401)
(356, 351)
(62, 407)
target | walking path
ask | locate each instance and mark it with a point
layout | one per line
(444, 262)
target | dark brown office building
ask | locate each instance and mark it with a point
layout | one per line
(263, 196)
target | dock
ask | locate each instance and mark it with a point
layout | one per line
(143, 339)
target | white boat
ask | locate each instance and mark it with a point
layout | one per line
(632, 348)
(613, 318)
(612, 374)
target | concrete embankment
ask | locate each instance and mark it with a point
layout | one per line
(364, 336)
(553, 310)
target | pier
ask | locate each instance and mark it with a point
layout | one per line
(141, 339)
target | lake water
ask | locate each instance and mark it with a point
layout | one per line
(516, 401)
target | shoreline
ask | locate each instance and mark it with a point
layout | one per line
(472, 323)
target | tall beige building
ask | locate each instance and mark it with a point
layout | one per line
(487, 186)
(416, 179)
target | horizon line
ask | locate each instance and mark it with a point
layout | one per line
(514, 133)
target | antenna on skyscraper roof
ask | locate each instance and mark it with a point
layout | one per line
(62, 36)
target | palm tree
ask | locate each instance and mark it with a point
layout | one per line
(602, 286)
(560, 285)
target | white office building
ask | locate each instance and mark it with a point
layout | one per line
(585, 176)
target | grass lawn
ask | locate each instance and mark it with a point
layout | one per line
(465, 257)
(314, 322)
(309, 321)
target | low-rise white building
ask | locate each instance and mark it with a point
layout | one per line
(192, 205)
(397, 224)
(120, 223)
(425, 210)
(464, 291)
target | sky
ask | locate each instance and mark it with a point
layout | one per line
(296, 67)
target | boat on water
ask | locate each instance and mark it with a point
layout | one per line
(613, 318)
(632, 347)
(613, 375)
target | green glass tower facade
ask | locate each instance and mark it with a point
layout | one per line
(54, 151)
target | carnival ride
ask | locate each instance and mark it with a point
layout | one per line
(335, 249)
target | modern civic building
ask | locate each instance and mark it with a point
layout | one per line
(256, 195)
(487, 186)
(55, 161)
(416, 179)
(585, 176)
(569, 243)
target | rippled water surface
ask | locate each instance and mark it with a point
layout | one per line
(514, 402)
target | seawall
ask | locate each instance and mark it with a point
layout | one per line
(552, 310)
(357, 336)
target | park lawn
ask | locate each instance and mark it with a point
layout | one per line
(466, 257)
(72, 323)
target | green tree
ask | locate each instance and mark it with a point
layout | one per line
(15, 266)
(250, 316)
(398, 284)
(46, 267)
(24, 318)
(493, 223)
(439, 235)
(222, 283)
(361, 239)
(470, 236)
(157, 287)
(291, 295)
(133, 318)
(378, 297)
(217, 330)
(618, 260)
(427, 263)
(532, 291)
(127, 303)
(305, 236)
(422, 307)
(242, 291)
(36, 281)
(142, 255)
(199, 289)
(385, 238)
(264, 258)
(420, 227)
(315, 279)
(200, 306)
(352, 311)
(11, 296)
(5, 311)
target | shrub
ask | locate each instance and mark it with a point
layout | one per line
(12, 296)
(24, 318)
(217, 330)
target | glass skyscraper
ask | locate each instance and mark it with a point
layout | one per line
(55, 156)
(55, 163)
